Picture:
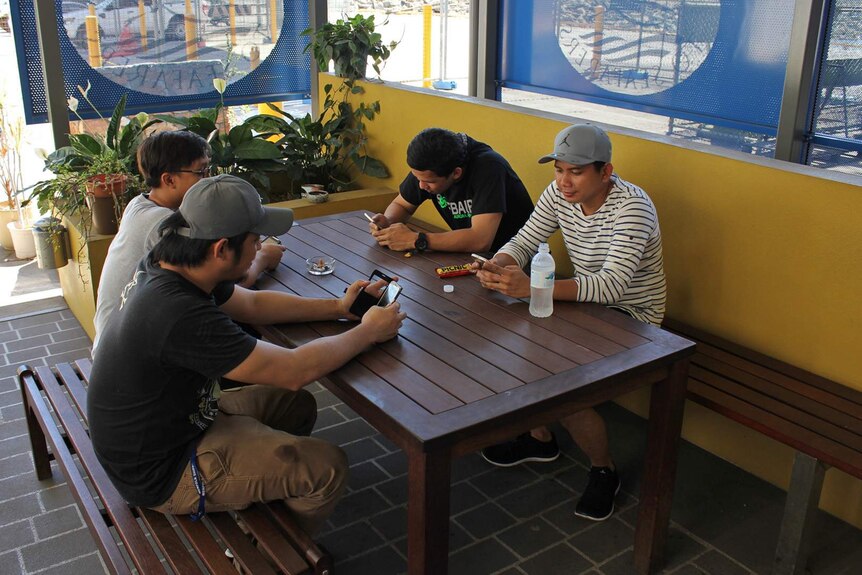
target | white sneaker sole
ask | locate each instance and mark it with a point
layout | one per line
(520, 461)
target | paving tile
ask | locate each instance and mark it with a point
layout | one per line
(512, 571)
(563, 518)
(16, 465)
(28, 343)
(688, 569)
(18, 508)
(458, 538)
(89, 564)
(10, 429)
(464, 496)
(357, 506)
(603, 540)
(325, 399)
(468, 466)
(394, 490)
(38, 319)
(68, 323)
(11, 335)
(386, 443)
(351, 541)
(362, 450)
(530, 537)
(383, 561)
(534, 498)
(345, 432)
(327, 417)
(53, 551)
(57, 522)
(19, 485)
(26, 355)
(558, 560)
(364, 475)
(348, 413)
(57, 496)
(49, 328)
(10, 562)
(12, 412)
(11, 397)
(681, 548)
(498, 480)
(11, 370)
(485, 520)
(482, 558)
(395, 463)
(392, 524)
(622, 564)
(9, 384)
(70, 345)
(67, 334)
(716, 563)
(16, 534)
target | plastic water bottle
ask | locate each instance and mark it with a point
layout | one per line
(542, 283)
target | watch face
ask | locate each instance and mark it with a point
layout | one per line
(421, 242)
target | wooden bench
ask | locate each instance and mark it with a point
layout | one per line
(820, 419)
(138, 538)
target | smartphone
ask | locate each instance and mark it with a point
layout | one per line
(478, 258)
(365, 300)
(271, 240)
(390, 294)
(368, 217)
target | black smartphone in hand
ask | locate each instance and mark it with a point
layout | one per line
(365, 300)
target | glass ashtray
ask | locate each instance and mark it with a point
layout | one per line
(320, 265)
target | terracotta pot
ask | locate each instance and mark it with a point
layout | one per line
(106, 185)
(102, 193)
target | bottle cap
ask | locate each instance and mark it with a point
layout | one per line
(448, 288)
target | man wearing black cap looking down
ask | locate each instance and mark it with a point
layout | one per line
(611, 232)
(166, 434)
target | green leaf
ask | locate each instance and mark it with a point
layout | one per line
(114, 124)
(257, 149)
(240, 134)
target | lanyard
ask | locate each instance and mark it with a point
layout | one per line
(199, 486)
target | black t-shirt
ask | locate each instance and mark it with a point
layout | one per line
(488, 185)
(155, 381)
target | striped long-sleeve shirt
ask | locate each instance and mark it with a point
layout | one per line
(616, 252)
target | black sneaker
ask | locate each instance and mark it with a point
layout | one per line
(597, 502)
(520, 450)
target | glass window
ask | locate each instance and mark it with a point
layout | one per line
(837, 113)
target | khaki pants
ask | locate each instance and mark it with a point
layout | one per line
(255, 452)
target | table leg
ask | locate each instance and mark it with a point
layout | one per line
(665, 423)
(428, 513)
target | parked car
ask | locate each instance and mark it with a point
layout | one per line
(115, 15)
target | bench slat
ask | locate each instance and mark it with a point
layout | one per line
(780, 429)
(137, 546)
(103, 536)
(321, 562)
(239, 543)
(273, 541)
(172, 547)
(807, 394)
(768, 403)
(207, 549)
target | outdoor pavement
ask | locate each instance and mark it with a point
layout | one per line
(516, 521)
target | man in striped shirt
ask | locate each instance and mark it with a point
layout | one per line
(612, 236)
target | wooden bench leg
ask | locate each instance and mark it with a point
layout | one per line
(38, 443)
(806, 482)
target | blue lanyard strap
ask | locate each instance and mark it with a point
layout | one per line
(199, 486)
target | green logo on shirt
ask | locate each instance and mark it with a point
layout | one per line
(441, 201)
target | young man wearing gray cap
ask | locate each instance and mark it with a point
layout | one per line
(611, 231)
(475, 191)
(167, 435)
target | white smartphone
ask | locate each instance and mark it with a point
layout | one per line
(481, 259)
(368, 217)
(390, 294)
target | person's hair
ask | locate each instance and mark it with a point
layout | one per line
(170, 151)
(599, 166)
(437, 150)
(179, 250)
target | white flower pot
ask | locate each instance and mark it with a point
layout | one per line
(22, 240)
(6, 216)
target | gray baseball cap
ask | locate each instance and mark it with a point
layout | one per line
(226, 206)
(580, 145)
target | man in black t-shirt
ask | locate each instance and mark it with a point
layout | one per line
(473, 188)
(166, 433)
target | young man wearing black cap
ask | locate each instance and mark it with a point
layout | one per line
(611, 231)
(166, 434)
(474, 189)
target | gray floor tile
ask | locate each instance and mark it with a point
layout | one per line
(383, 561)
(57, 522)
(535, 498)
(351, 541)
(18, 508)
(529, 537)
(485, 520)
(463, 497)
(362, 450)
(392, 523)
(327, 417)
(482, 558)
(499, 480)
(558, 560)
(10, 562)
(603, 540)
(56, 550)
(716, 563)
(345, 432)
(364, 475)
(395, 463)
(357, 506)
(89, 564)
(394, 490)
(16, 535)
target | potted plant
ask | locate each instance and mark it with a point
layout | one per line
(236, 150)
(96, 174)
(348, 43)
(15, 231)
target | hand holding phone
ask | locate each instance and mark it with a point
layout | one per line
(364, 300)
(481, 260)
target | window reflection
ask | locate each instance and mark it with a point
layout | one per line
(173, 47)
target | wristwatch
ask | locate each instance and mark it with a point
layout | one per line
(421, 243)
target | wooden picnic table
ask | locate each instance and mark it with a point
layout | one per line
(472, 368)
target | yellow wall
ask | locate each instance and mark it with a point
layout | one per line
(760, 252)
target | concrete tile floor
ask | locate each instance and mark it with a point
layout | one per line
(515, 521)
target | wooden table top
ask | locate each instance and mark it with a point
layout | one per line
(466, 362)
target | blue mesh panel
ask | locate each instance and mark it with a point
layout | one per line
(173, 83)
(716, 62)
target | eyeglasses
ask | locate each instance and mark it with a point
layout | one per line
(203, 172)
